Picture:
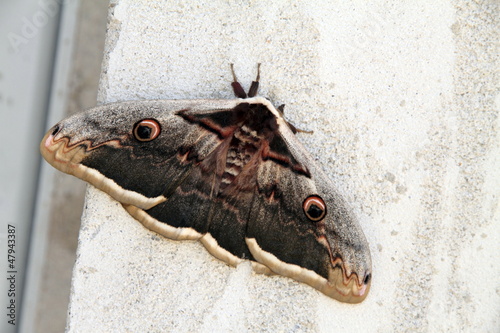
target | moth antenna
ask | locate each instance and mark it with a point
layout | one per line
(237, 88)
(254, 88)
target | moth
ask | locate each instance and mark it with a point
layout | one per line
(228, 173)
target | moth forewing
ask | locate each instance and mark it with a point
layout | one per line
(230, 173)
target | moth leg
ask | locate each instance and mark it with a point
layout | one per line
(254, 88)
(295, 130)
(237, 88)
(281, 110)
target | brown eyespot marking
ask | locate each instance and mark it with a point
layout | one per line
(147, 130)
(314, 208)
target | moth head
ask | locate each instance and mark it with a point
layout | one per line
(146, 130)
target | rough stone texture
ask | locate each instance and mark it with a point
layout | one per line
(404, 104)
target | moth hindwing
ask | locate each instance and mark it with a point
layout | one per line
(229, 173)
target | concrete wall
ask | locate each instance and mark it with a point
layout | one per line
(81, 36)
(28, 30)
(404, 107)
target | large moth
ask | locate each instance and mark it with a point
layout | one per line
(229, 173)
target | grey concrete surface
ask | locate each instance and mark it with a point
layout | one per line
(404, 102)
(29, 34)
(56, 222)
(67, 200)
